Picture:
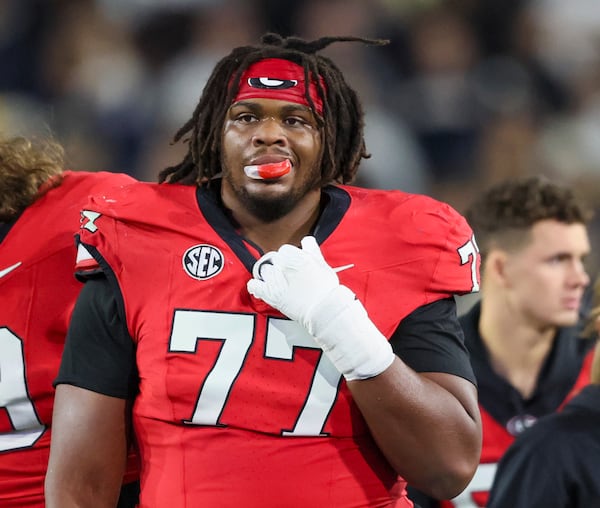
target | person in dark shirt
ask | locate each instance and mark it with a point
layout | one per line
(557, 462)
(522, 334)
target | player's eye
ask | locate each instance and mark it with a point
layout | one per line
(296, 121)
(246, 118)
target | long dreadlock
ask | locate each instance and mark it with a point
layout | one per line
(342, 122)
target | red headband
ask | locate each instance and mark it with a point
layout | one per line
(276, 78)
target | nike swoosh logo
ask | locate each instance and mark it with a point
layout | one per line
(6, 271)
(344, 267)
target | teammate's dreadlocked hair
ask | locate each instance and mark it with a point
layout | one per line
(342, 122)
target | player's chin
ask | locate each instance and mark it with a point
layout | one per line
(567, 317)
(269, 203)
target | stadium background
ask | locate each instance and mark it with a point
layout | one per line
(467, 93)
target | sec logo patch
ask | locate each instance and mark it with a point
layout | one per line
(203, 261)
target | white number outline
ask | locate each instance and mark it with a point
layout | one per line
(283, 337)
(236, 333)
(14, 396)
(469, 252)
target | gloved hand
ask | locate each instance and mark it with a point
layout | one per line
(301, 285)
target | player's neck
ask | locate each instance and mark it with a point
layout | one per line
(289, 229)
(517, 348)
(270, 237)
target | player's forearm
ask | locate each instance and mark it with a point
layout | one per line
(430, 437)
(81, 487)
(88, 449)
(78, 496)
(430, 434)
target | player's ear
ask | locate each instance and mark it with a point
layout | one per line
(495, 266)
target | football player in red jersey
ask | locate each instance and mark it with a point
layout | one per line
(39, 209)
(287, 340)
(523, 335)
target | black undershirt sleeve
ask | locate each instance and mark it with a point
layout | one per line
(430, 339)
(99, 353)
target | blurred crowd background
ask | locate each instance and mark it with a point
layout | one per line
(468, 92)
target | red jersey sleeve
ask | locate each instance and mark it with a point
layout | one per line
(458, 259)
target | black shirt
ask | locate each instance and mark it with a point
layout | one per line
(502, 400)
(556, 379)
(556, 464)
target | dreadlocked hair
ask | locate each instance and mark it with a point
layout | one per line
(342, 122)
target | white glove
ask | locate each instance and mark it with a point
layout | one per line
(301, 285)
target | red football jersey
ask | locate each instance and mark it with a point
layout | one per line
(37, 293)
(496, 440)
(237, 404)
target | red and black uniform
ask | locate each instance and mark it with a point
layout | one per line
(504, 412)
(235, 405)
(555, 464)
(37, 295)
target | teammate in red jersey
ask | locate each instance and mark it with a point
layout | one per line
(523, 334)
(39, 209)
(286, 340)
